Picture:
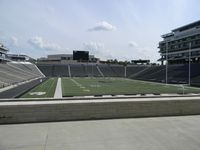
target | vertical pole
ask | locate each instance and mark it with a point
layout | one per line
(92, 70)
(87, 74)
(166, 73)
(125, 71)
(189, 63)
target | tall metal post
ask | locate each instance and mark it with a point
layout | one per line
(166, 71)
(189, 63)
(125, 71)
(92, 70)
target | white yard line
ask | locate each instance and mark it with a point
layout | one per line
(80, 86)
(58, 91)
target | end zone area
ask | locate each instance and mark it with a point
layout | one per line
(45, 89)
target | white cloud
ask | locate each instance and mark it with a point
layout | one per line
(133, 51)
(103, 26)
(93, 46)
(98, 49)
(9, 41)
(140, 52)
(40, 43)
(14, 40)
(132, 44)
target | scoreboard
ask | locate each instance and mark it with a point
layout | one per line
(81, 55)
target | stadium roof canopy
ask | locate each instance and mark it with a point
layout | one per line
(188, 26)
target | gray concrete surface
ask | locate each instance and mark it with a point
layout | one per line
(161, 133)
(68, 110)
(58, 91)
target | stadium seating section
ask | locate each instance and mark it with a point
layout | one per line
(13, 73)
(176, 73)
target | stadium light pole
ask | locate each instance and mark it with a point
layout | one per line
(92, 70)
(189, 63)
(166, 71)
(125, 71)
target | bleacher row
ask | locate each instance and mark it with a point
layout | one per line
(82, 70)
(176, 73)
(13, 73)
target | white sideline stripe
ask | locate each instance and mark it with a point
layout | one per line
(58, 91)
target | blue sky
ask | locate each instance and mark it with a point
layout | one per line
(122, 29)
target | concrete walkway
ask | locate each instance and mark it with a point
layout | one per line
(162, 133)
(58, 91)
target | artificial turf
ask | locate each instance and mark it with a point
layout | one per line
(118, 86)
(47, 87)
(105, 86)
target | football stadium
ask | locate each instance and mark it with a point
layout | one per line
(79, 100)
(80, 76)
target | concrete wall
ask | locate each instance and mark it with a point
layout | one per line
(42, 111)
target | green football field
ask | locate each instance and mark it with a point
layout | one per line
(45, 89)
(117, 86)
(105, 86)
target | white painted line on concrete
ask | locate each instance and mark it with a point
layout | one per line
(58, 91)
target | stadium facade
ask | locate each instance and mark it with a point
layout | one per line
(3, 51)
(19, 58)
(181, 44)
(63, 59)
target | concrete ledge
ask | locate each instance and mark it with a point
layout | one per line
(59, 110)
(104, 97)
